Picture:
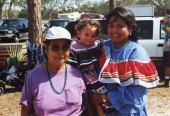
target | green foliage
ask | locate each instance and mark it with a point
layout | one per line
(101, 5)
(15, 52)
(51, 8)
(22, 4)
(45, 14)
(126, 2)
(13, 14)
(23, 14)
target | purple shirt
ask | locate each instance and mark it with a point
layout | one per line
(38, 95)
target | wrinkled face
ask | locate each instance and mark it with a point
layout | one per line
(58, 51)
(118, 31)
(87, 35)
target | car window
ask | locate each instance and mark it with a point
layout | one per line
(70, 28)
(13, 23)
(25, 23)
(21, 23)
(103, 26)
(162, 32)
(58, 23)
(146, 29)
(6, 23)
(1, 22)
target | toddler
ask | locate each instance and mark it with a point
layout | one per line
(85, 54)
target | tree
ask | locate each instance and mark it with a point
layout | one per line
(23, 14)
(101, 5)
(22, 4)
(34, 20)
(11, 3)
(161, 6)
(127, 2)
(49, 6)
(2, 2)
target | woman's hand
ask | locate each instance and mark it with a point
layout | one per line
(96, 99)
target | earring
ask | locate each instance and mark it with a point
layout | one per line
(130, 33)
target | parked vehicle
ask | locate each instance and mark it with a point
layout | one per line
(14, 30)
(2, 88)
(71, 16)
(1, 22)
(56, 22)
(136, 9)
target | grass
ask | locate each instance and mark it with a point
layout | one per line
(10, 102)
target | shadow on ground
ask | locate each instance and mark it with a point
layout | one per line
(13, 90)
(10, 89)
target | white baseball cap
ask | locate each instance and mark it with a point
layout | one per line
(57, 33)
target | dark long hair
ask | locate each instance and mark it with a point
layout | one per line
(128, 17)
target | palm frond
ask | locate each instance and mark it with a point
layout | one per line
(15, 52)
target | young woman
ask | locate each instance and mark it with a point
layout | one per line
(126, 68)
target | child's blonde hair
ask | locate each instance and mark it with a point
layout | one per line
(94, 23)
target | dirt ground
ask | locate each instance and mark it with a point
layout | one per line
(159, 101)
(158, 104)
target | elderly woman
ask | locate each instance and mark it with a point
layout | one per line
(54, 88)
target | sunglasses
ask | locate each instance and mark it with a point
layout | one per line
(56, 47)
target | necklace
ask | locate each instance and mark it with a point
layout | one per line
(51, 84)
(121, 47)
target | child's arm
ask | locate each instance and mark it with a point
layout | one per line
(90, 107)
(87, 105)
(72, 59)
(100, 110)
(91, 111)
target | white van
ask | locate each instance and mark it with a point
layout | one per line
(151, 36)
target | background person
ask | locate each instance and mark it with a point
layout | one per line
(166, 23)
(166, 47)
(54, 88)
(126, 67)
